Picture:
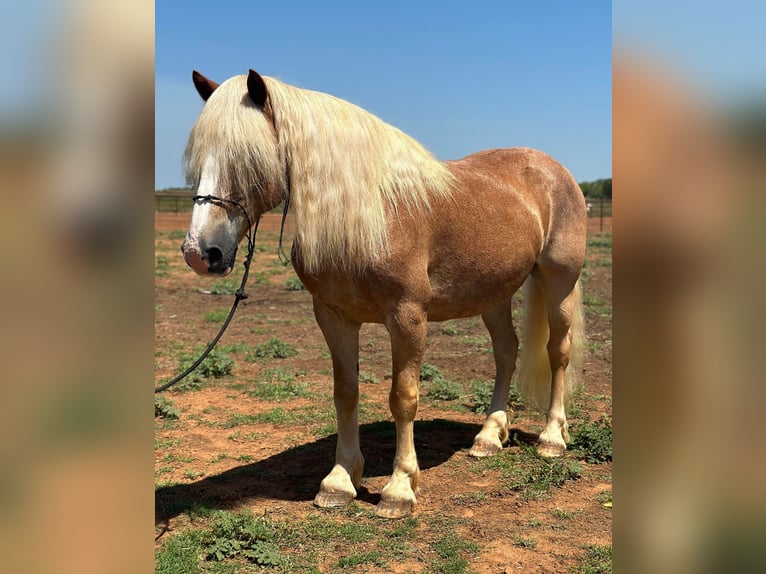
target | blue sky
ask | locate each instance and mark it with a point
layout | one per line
(457, 76)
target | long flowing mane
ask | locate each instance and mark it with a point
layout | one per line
(347, 168)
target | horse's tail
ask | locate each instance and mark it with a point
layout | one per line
(534, 374)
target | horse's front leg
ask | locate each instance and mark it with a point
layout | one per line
(339, 487)
(407, 327)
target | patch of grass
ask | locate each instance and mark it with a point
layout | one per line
(238, 420)
(592, 441)
(226, 286)
(605, 497)
(217, 364)
(366, 377)
(597, 560)
(451, 550)
(602, 241)
(535, 476)
(450, 329)
(241, 536)
(179, 554)
(481, 396)
(372, 557)
(216, 316)
(437, 386)
(192, 474)
(177, 234)
(597, 305)
(163, 408)
(272, 349)
(563, 514)
(161, 266)
(294, 284)
(521, 542)
(279, 385)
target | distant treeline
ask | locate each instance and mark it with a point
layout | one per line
(597, 189)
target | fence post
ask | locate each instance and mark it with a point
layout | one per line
(601, 215)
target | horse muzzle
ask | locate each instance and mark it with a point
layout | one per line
(208, 259)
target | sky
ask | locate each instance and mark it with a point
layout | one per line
(458, 76)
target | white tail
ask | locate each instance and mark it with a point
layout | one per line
(534, 373)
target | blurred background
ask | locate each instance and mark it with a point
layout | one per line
(77, 182)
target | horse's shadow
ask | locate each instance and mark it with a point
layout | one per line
(295, 473)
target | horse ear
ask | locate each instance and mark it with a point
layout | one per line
(204, 86)
(256, 87)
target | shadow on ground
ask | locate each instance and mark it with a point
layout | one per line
(295, 474)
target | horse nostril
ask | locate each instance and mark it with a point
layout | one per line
(214, 256)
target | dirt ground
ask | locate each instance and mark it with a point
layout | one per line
(226, 452)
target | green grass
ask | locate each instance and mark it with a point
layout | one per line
(273, 349)
(278, 385)
(161, 266)
(521, 542)
(216, 365)
(597, 560)
(592, 441)
(227, 286)
(294, 284)
(216, 315)
(600, 241)
(452, 551)
(163, 408)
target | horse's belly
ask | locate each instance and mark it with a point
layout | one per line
(470, 295)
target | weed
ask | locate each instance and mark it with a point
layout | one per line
(192, 474)
(450, 330)
(430, 372)
(278, 385)
(366, 377)
(226, 286)
(593, 441)
(273, 349)
(481, 396)
(163, 408)
(179, 555)
(605, 497)
(597, 560)
(217, 364)
(294, 284)
(450, 549)
(219, 457)
(161, 266)
(603, 241)
(440, 389)
(522, 542)
(177, 234)
(240, 535)
(562, 514)
(235, 348)
(372, 557)
(531, 475)
(237, 420)
(216, 316)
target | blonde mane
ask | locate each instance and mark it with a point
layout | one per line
(346, 167)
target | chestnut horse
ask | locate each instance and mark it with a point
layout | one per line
(387, 234)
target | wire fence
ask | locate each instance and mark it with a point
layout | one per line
(599, 209)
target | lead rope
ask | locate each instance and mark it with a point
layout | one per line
(238, 295)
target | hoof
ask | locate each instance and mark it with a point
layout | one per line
(483, 448)
(548, 450)
(332, 499)
(394, 509)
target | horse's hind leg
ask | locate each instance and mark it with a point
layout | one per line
(339, 487)
(505, 345)
(562, 302)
